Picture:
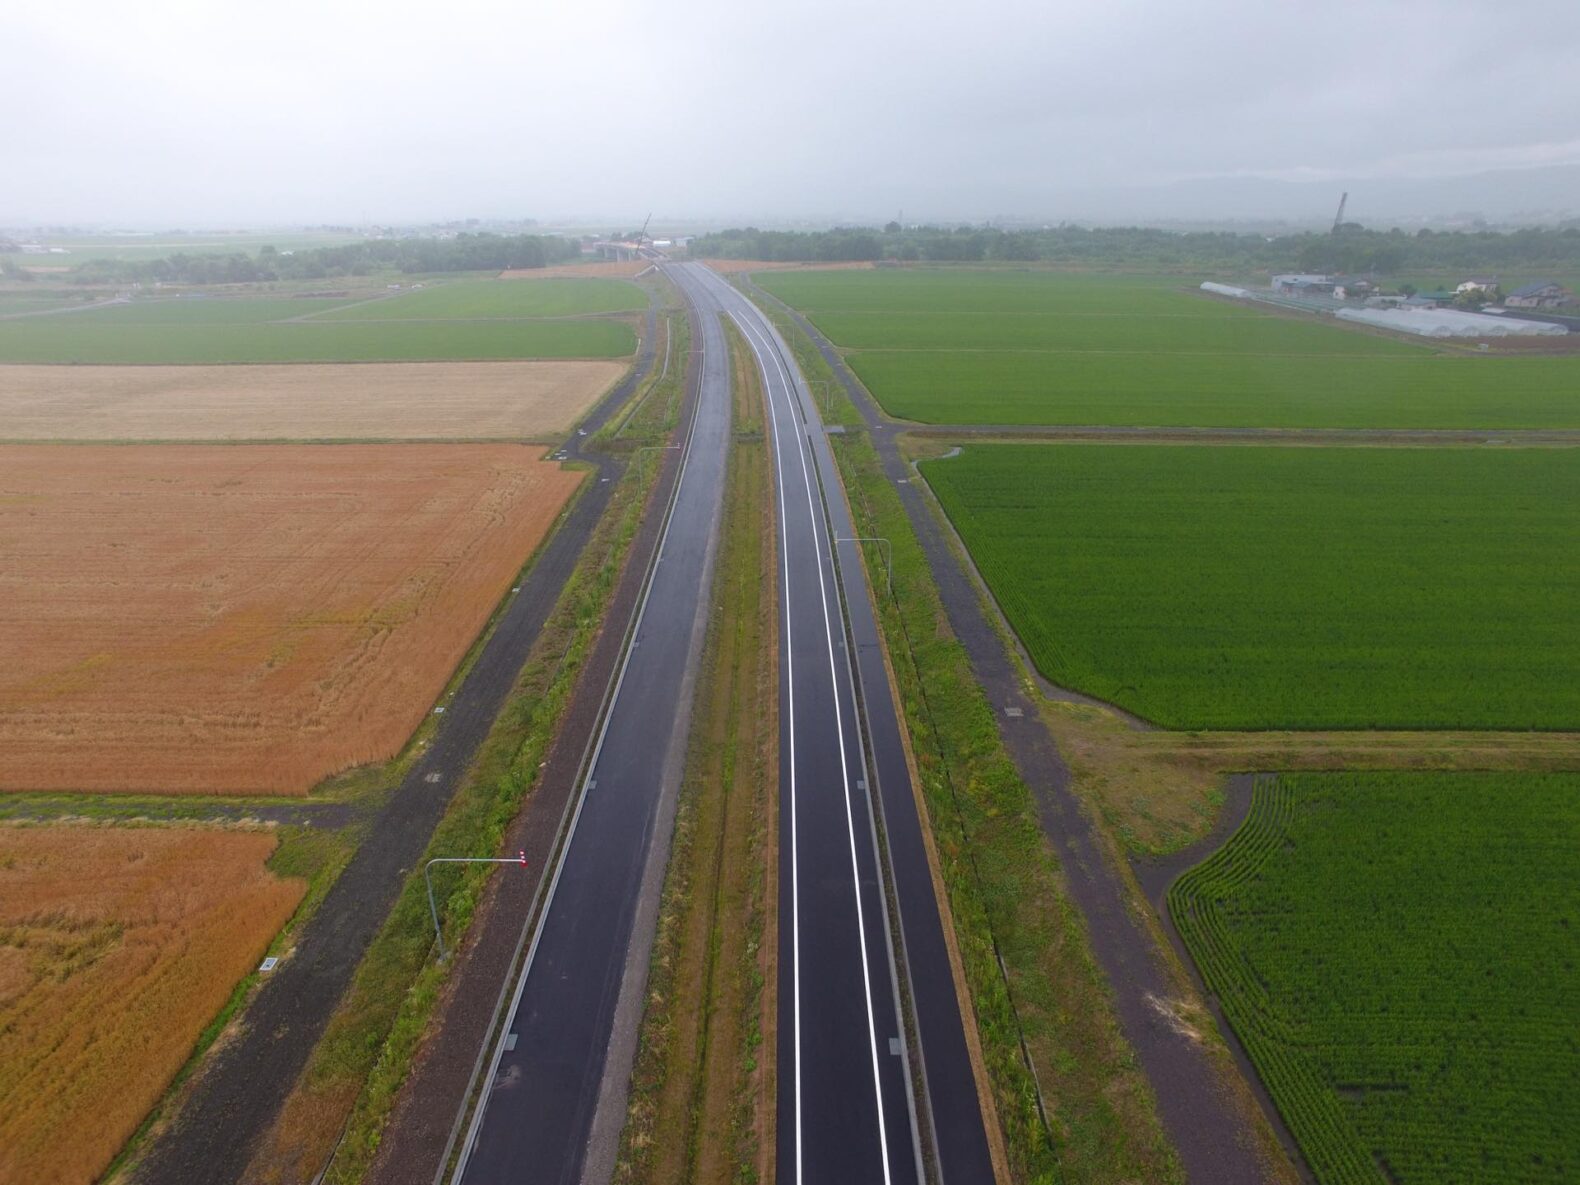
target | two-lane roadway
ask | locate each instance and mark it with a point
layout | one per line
(848, 1109)
(543, 1086)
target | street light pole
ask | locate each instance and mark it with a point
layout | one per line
(828, 398)
(433, 909)
(888, 553)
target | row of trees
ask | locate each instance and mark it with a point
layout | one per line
(1352, 249)
(464, 252)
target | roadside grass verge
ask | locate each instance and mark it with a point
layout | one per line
(358, 1066)
(1006, 896)
(702, 1101)
(1159, 791)
(655, 410)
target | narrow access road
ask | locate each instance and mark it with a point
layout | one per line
(848, 1107)
(554, 1095)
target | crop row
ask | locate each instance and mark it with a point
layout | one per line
(1396, 954)
(1253, 587)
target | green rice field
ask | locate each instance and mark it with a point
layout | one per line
(1399, 954)
(276, 329)
(1254, 587)
(1021, 348)
(11, 303)
(216, 310)
(556, 297)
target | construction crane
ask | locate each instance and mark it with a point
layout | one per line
(641, 235)
(1338, 219)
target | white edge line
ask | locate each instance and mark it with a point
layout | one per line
(548, 902)
(789, 650)
(850, 825)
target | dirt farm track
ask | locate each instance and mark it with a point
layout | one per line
(245, 619)
(303, 401)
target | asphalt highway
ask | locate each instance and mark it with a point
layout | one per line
(547, 1069)
(848, 1110)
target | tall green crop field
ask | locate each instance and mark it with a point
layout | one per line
(1012, 348)
(1256, 587)
(555, 297)
(1399, 953)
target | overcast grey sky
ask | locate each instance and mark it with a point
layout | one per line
(208, 112)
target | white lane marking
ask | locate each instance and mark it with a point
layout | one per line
(795, 868)
(473, 1130)
(850, 825)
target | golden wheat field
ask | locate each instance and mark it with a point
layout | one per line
(117, 947)
(245, 618)
(375, 400)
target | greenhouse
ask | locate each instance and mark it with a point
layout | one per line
(1450, 323)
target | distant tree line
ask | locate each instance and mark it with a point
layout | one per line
(1352, 249)
(464, 252)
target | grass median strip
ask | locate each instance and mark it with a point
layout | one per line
(1006, 896)
(701, 1107)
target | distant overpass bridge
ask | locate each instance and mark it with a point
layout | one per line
(626, 249)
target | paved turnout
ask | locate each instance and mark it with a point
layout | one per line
(548, 1067)
(847, 1108)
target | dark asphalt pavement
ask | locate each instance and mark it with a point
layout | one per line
(847, 1108)
(548, 1068)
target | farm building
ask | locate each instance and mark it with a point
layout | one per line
(1541, 295)
(1482, 284)
(1296, 284)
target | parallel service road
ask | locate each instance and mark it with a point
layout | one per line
(544, 1085)
(847, 1110)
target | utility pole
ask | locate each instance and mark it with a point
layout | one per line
(519, 858)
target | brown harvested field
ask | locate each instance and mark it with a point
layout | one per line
(613, 269)
(373, 400)
(118, 946)
(245, 618)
